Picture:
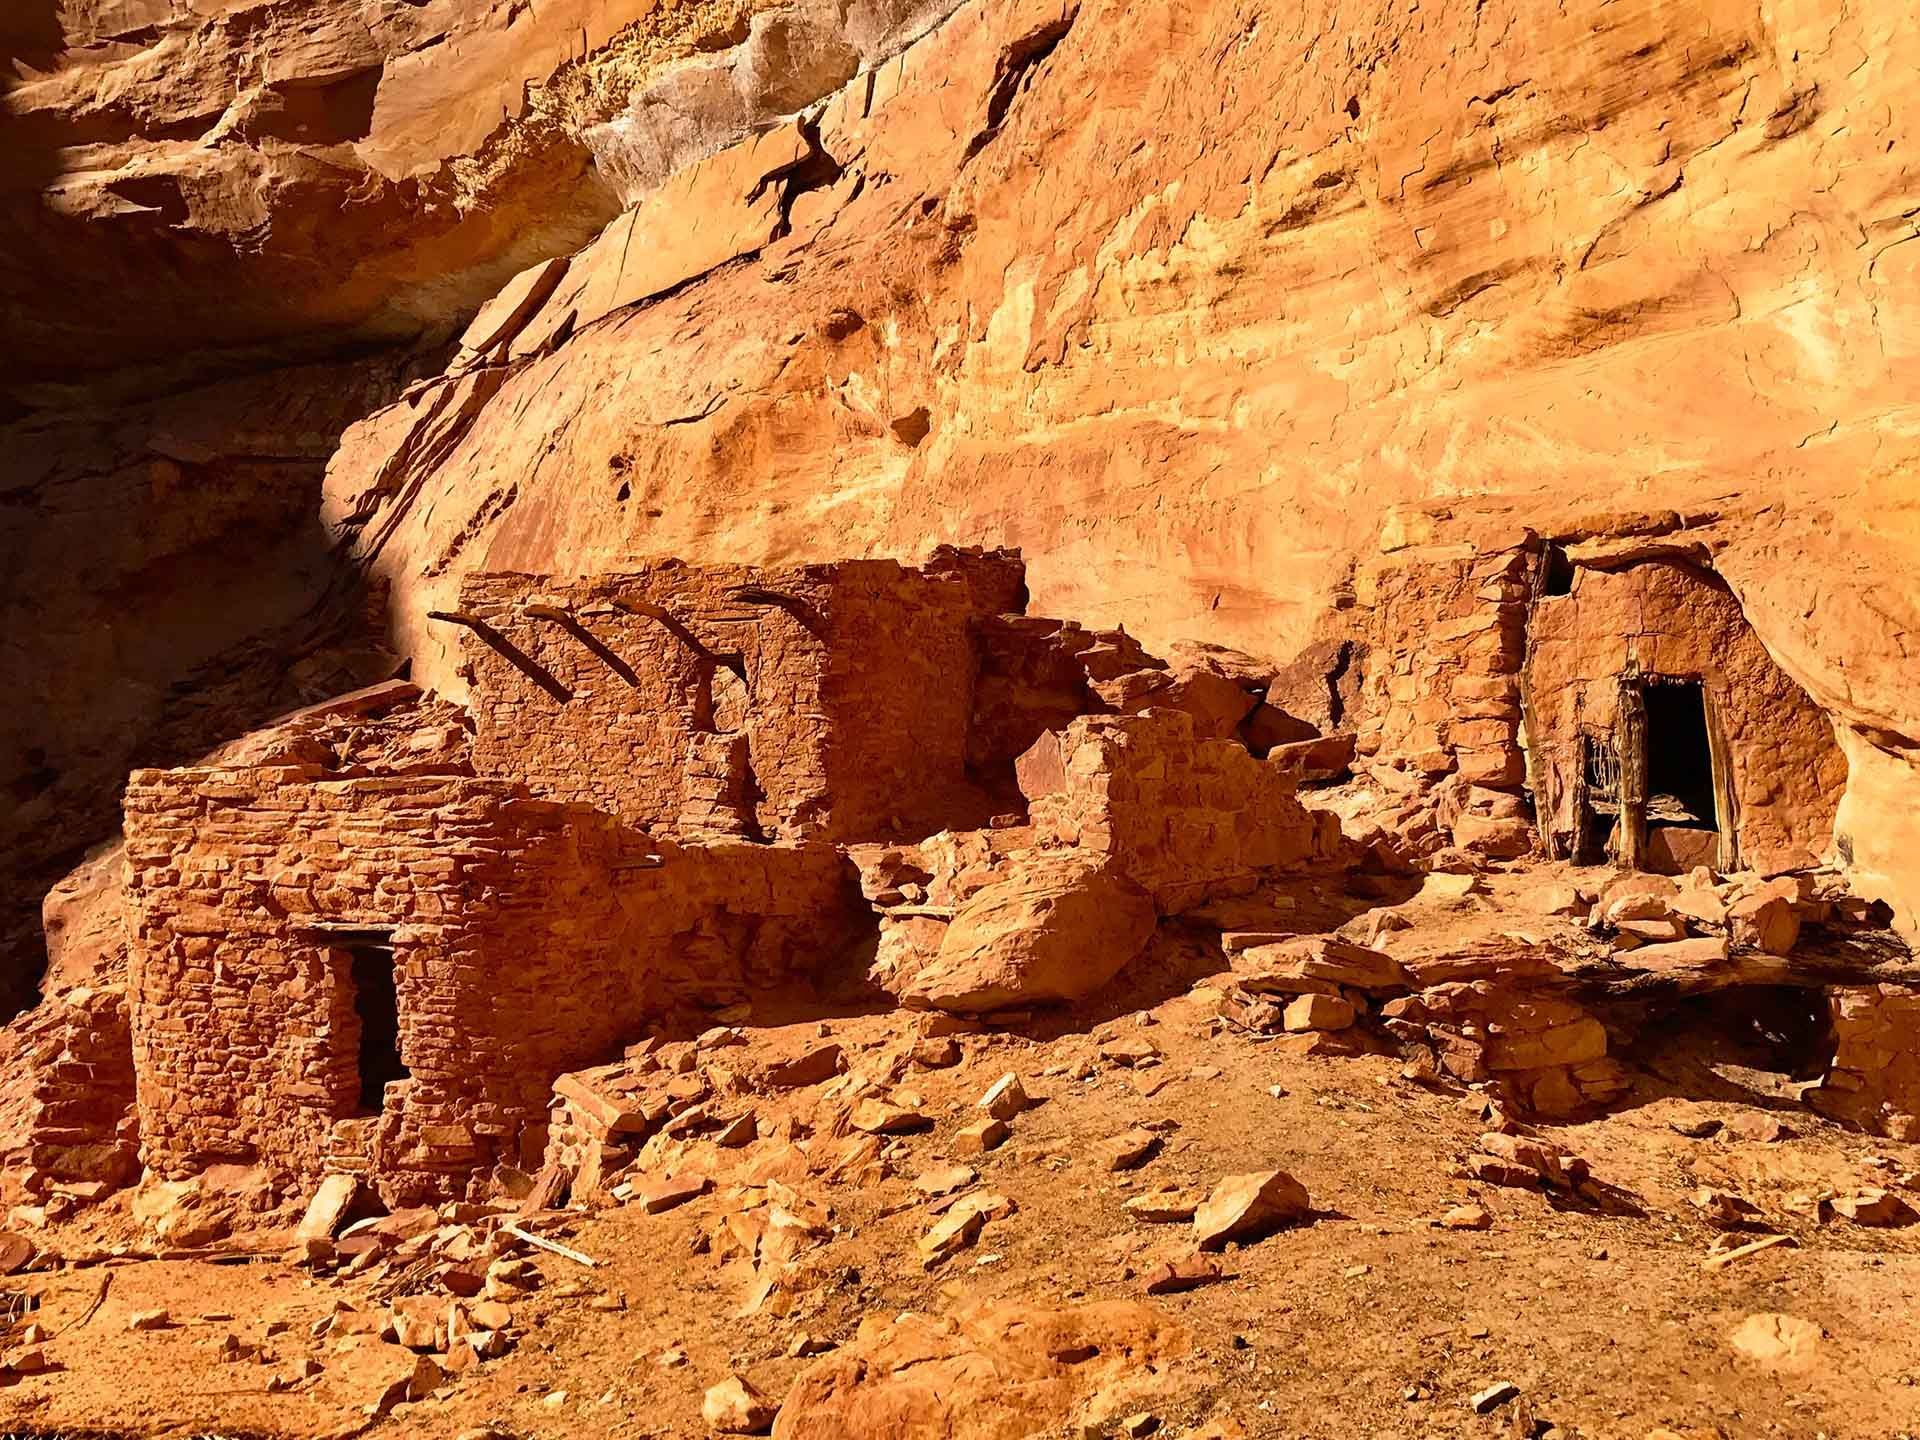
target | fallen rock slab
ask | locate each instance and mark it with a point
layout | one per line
(327, 1211)
(1055, 929)
(1249, 1207)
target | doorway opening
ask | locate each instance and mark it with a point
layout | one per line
(1682, 795)
(376, 1003)
(1557, 577)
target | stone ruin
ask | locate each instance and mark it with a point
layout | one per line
(369, 939)
(400, 936)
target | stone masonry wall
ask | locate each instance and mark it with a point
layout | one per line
(853, 683)
(1184, 820)
(1445, 629)
(528, 938)
(1788, 770)
(1874, 1080)
(70, 1122)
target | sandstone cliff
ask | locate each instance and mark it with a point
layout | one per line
(1203, 306)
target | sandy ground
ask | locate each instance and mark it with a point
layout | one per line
(1368, 1321)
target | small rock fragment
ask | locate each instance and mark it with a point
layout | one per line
(1761, 1129)
(1129, 1151)
(980, 1137)
(1135, 1052)
(946, 1180)
(877, 1117)
(1485, 1402)
(1005, 1098)
(1187, 1273)
(735, 1407)
(816, 1066)
(1724, 1208)
(1162, 1207)
(667, 1193)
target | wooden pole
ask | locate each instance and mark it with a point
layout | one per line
(1726, 811)
(1630, 834)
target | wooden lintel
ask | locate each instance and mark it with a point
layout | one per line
(507, 650)
(809, 618)
(673, 624)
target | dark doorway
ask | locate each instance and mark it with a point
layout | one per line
(376, 1001)
(1558, 576)
(1679, 756)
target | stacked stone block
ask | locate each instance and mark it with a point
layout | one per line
(1184, 820)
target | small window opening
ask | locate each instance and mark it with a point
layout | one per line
(1559, 577)
(376, 1001)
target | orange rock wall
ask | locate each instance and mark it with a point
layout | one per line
(1205, 304)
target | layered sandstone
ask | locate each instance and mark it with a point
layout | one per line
(1491, 319)
(1482, 304)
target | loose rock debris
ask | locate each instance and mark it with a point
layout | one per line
(1099, 1044)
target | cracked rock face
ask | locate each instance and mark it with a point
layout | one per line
(1204, 307)
(1102, 284)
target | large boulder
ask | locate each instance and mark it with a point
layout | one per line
(1056, 928)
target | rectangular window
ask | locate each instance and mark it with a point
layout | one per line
(376, 1005)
